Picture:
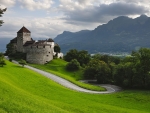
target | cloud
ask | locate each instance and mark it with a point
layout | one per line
(7, 3)
(47, 27)
(36, 4)
(101, 13)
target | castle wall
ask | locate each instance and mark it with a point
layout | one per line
(22, 38)
(39, 54)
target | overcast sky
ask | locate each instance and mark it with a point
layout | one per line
(48, 18)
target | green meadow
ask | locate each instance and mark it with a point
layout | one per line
(25, 91)
(57, 67)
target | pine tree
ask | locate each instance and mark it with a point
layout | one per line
(2, 12)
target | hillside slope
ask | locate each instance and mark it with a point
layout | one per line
(25, 91)
(122, 34)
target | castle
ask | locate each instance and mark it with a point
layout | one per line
(37, 52)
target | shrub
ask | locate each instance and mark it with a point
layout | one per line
(22, 62)
(73, 65)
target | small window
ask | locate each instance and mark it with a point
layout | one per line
(37, 46)
(49, 52)
(47, 55)
(44, 46)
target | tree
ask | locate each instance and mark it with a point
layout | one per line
(142, 58)
(2, 61)
(22, 62)
(97, 69)
(10, 49)
(72, 54)
(81, 56)
(57, 50)
(2, 12)
(73, 65)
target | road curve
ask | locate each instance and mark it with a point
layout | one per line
(66, 83)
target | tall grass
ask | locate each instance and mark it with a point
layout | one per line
(25, 91)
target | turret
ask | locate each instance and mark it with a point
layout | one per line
(23, 35)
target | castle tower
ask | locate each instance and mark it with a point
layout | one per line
(23, 35)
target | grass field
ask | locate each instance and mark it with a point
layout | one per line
(25, 91)
(57, 67)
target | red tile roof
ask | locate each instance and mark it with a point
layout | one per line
(23, 29)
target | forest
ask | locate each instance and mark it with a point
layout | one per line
(129, 72)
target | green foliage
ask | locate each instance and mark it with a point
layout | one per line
(2, 12)
(10, 49)
(134, 71)
(72, 54)
(81, 56)
(2, 61)
(57, 49)
(22, 62)
(97, 69)
(73, 65)
(18, 56)
(25, 91)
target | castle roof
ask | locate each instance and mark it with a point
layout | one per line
(23, 29)
(29, 43)
(13, 40)
(50, 40)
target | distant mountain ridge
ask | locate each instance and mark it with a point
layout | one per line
(122, 34)
(3, 43)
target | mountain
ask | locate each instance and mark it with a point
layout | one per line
(3, 43)
(122, 34)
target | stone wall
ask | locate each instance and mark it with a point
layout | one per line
(39, 54)
(22, 38)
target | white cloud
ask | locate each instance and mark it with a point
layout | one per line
(7, 3)
(36, 4)
(72, 15)
(101, 12)
(47, 27)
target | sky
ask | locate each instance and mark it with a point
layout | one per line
(49, 18)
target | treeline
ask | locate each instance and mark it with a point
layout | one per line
(131, 72)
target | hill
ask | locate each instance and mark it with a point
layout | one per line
(122, 34)
(25, 91)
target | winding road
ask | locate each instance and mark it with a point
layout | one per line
(66, 83)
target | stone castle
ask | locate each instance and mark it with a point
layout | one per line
(38, 52)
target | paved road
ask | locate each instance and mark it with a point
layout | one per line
(65, 83)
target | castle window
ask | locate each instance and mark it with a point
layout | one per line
(43, 46)
(49, 52)
(37, 46)
(50, 46)
(47, 55)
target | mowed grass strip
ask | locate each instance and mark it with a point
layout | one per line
(25, 91)
(57, 67)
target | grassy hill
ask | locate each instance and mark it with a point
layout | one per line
(57, 67)
(25, 91)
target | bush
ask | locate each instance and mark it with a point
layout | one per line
(73, 65)
(22, 62)
(10, 60)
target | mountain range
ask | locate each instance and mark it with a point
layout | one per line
(122, 34)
